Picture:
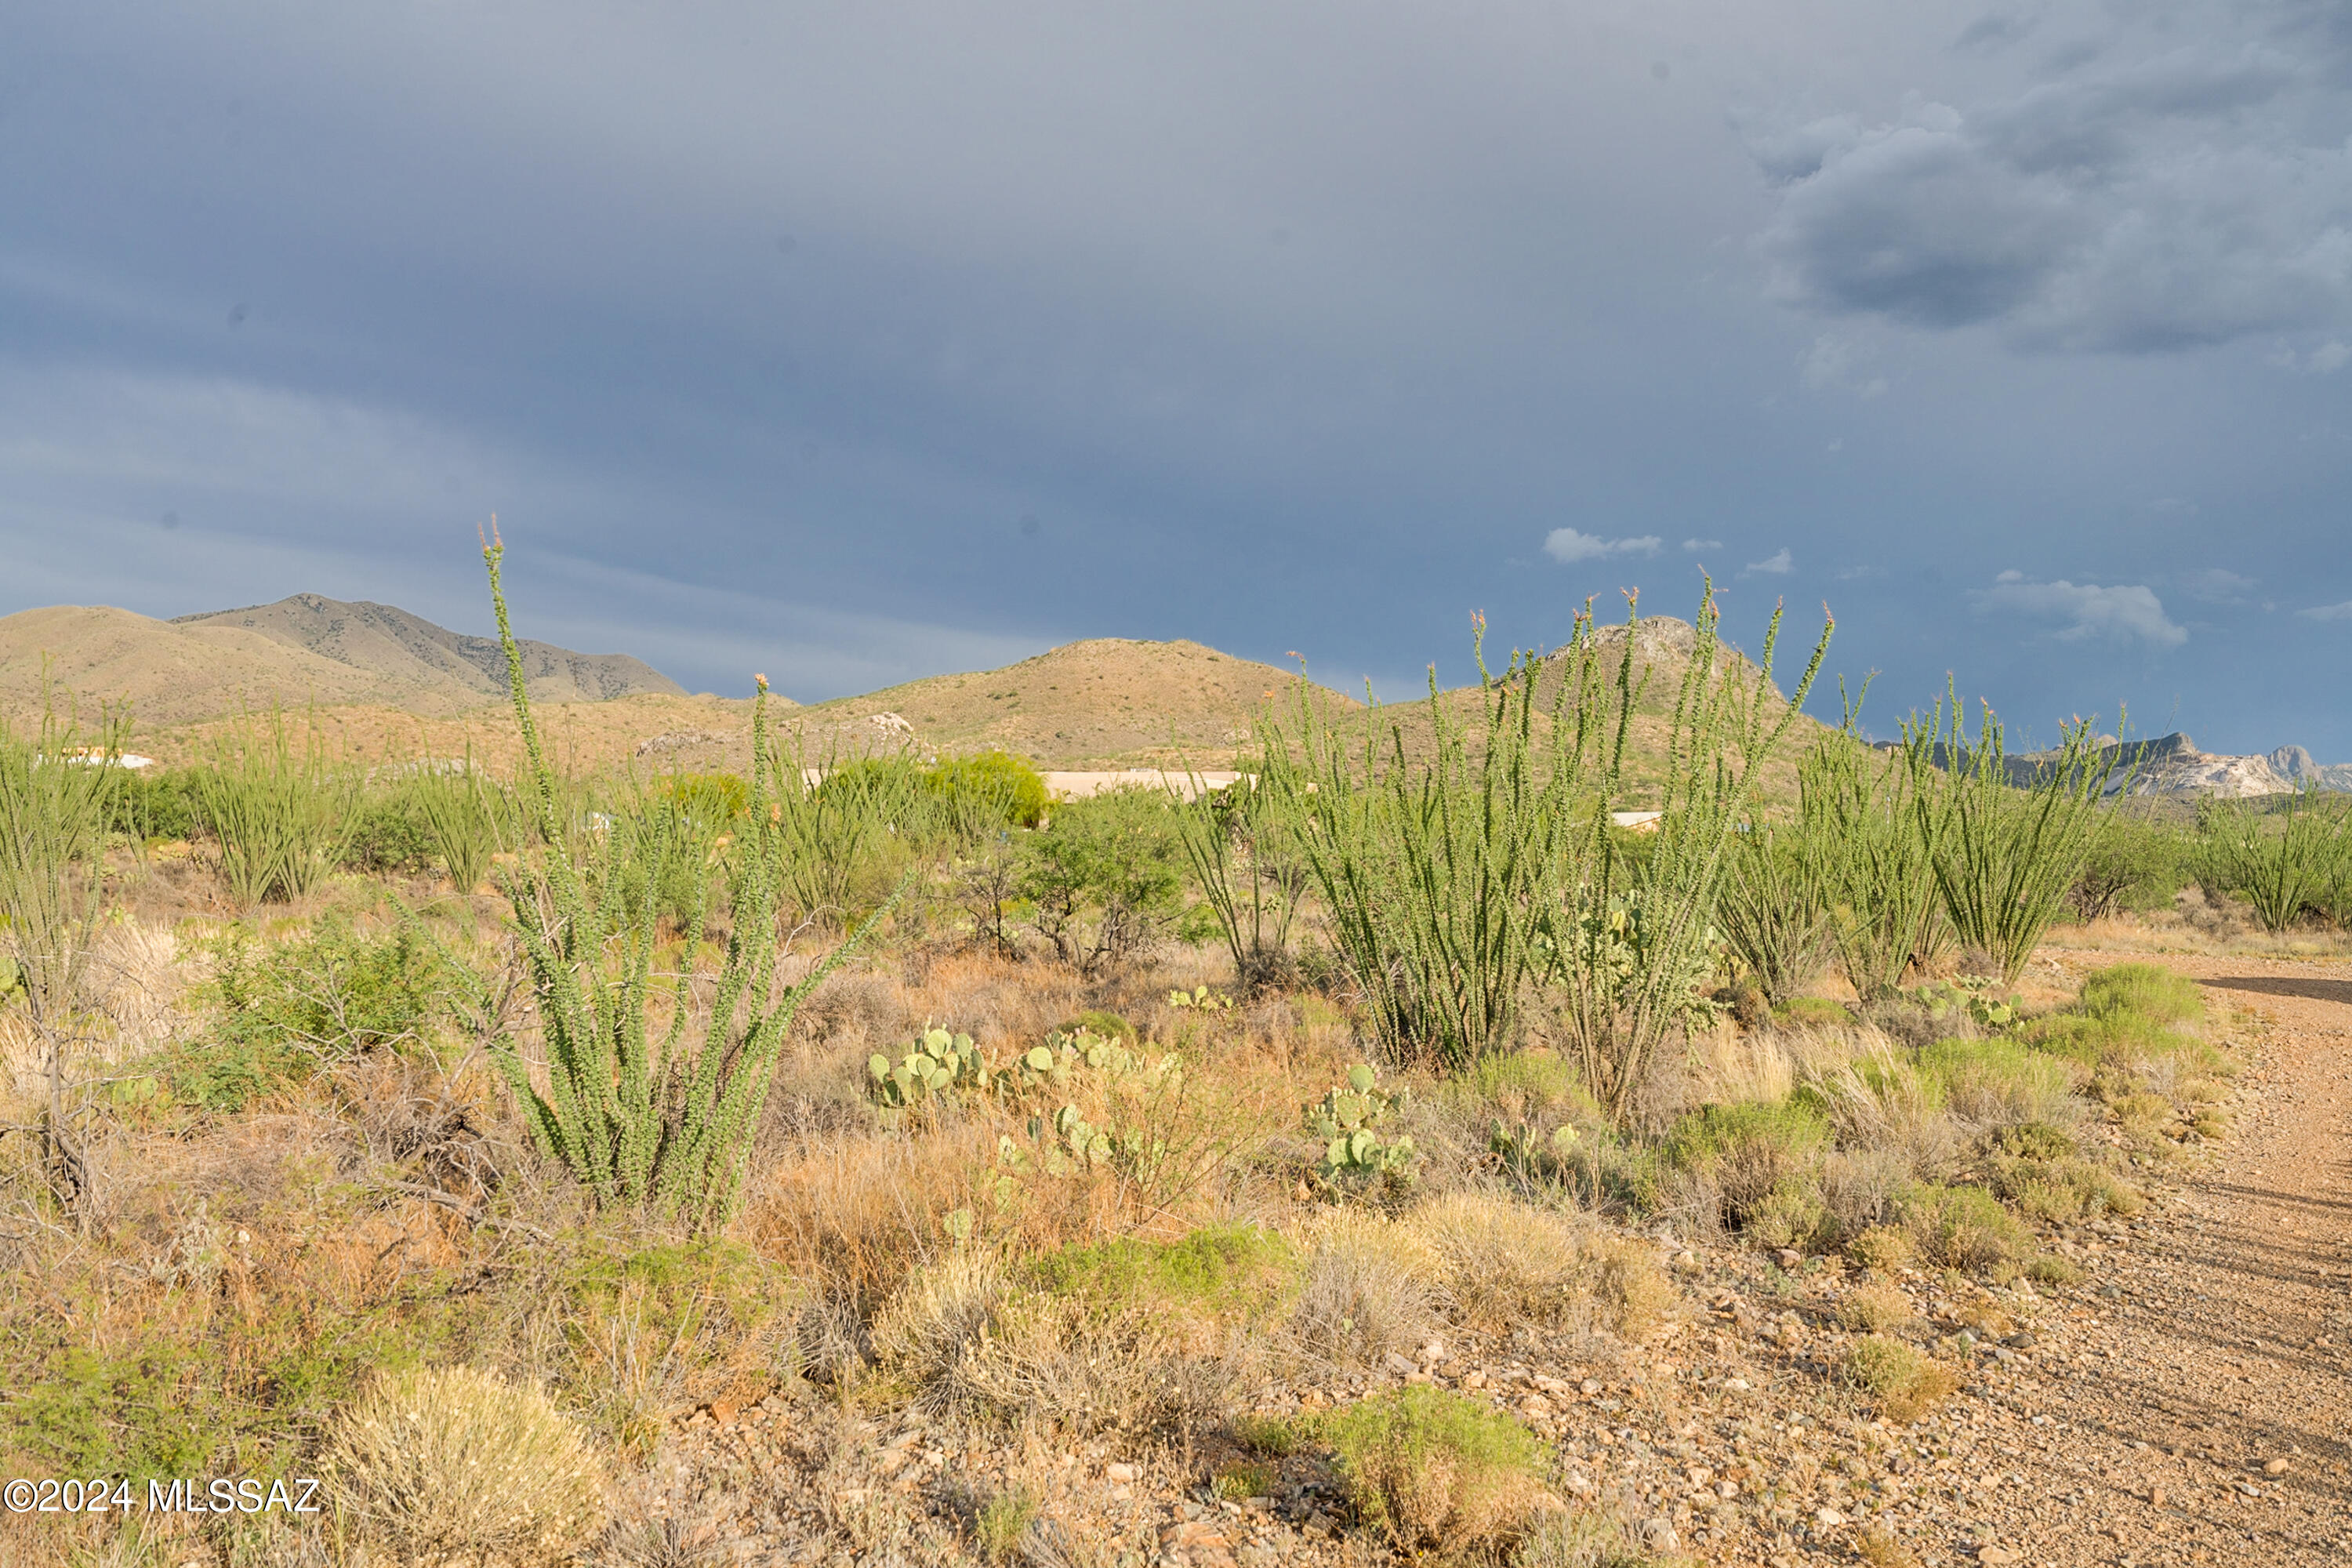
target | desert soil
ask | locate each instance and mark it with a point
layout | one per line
(2199, 1409)
(2187, 1402)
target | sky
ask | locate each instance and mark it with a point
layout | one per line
(851, 343)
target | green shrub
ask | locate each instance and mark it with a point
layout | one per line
(1811, 1013)
(1905, 1382)
(1004, 1524)
(387, 833)
(283, 1011)
(1760, 1158)
(1105, 878)
(2002, 1080)
(717, 798)
(158, 803)
(1433, 1468)
(2145, 990)
(1218, 1270)
(1108, 1025)
(1962, 1227)
(988, 790)
(2135, 866)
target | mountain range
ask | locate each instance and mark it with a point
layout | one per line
(380, 681)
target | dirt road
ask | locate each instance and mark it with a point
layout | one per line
(2198, 1408)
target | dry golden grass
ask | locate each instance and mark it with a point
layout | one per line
(1506, 1262)
(446, 1462)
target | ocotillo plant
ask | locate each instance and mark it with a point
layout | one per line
(1438, 872)
(1862, 806)
(281, 816)
(2005, 856)
(56, 796)
(1636, 942)
(663, 1121)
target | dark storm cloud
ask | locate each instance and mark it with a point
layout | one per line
(2184, 197)
(857, 344)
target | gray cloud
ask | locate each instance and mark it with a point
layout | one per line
(2155, 196)
(2342, 612)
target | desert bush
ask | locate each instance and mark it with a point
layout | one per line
(986, 792)
(387, 833)
(1963, 1228)
(280, 817)
(1105, 878)
(283, 1011)
(1239, 843)
(1084, 1366)
(1883, 1248)
(2003, 1082)
(937, 1318)
(1581, 1538)
(1859, 1190)
(446, 1462)
(1123, 1332)
(2134, 866)
(636, 1117)
(1751, 1155)
(1885, 1100)
(1506, 1262)
(1373, 1287)
(1230, 1272)
(1434, 1470)
(1811, 1013)
(1868, 1309)
(1004, 1524)
(157, 803)
(1903, 1381)
(2145, 989)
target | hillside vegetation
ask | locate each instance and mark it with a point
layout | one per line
(698, 1167)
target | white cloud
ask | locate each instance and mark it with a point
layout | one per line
(1834, 363)
(2084, 611)
(2218, 585)
(1696, 544)
(1779, 564)
(2342, 612)
(2326, 360)
(1568, 546)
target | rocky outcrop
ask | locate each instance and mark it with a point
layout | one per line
(2172, 765)
(2295, 766)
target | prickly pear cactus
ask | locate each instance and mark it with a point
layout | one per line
(937, 1063)
(1359, 1154)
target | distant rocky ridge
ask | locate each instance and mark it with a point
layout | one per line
(2172, 765)
(392, 644)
